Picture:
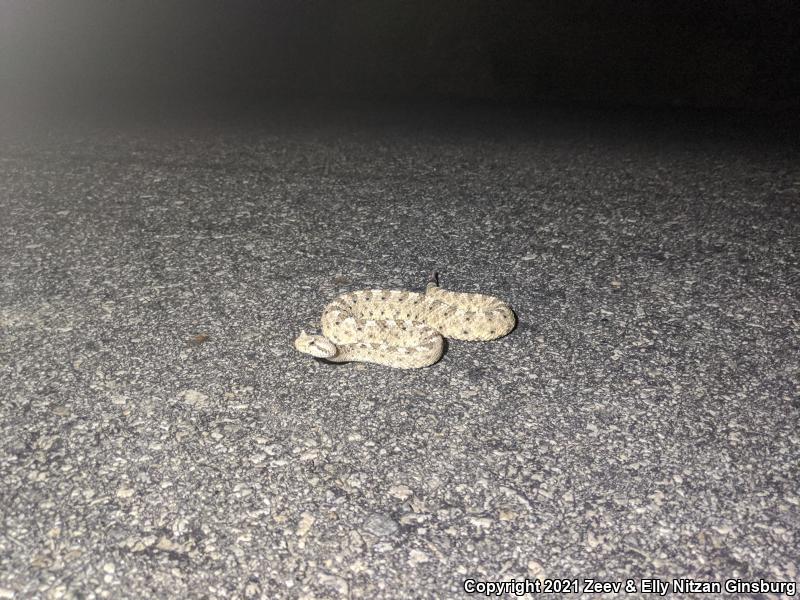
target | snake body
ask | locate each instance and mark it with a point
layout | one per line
(404, 329)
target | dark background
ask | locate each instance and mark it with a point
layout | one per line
(709, 54)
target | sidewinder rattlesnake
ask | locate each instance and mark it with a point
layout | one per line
(404, 329)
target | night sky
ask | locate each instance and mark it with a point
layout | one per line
(687, 54)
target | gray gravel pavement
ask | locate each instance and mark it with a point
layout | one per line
(160, 437)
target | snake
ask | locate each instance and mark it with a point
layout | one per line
(404, 329)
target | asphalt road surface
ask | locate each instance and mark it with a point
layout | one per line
(161, 438)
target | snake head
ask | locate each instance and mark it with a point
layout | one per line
(317, 346)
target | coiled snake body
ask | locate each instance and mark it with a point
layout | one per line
(404, 329)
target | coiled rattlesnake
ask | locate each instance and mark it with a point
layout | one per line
(404, 329)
